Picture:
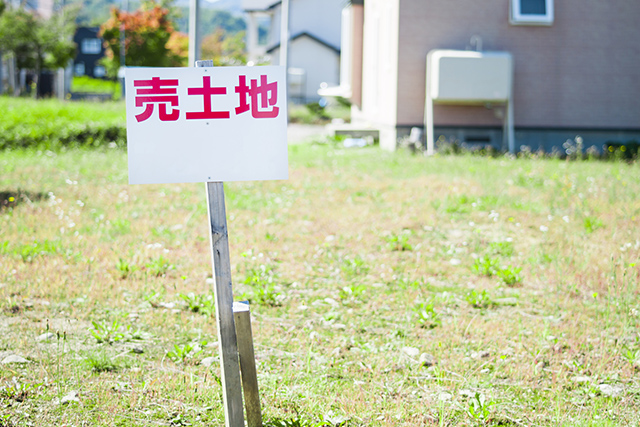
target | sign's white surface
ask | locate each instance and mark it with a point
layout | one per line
(206, 124)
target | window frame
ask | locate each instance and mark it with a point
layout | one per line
(79, 69)
(88, 46)
(99, 71)
(518, 18)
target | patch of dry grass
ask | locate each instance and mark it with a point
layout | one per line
(386, 290)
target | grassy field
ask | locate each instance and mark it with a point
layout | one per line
(386, 290)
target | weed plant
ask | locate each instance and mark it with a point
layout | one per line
(203, 304)
(571, 149)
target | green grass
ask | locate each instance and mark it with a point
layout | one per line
(91, 85)
(385, 289)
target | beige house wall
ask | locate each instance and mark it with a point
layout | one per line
(583, 71)
(357, 25)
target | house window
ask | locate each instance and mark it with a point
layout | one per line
(91, 46)
(264, 23)
(532, 12)
(99, 71)
(78, 69)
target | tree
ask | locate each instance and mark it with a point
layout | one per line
(17, 35)
(225, 49)
(55, 46)
(147, 32)
(37, 43)
(178, 45)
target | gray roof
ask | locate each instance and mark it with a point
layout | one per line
(250, 5)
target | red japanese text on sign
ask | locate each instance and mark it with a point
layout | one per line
(267, 92)
(158, 91)
(207, 91)
(261, 98)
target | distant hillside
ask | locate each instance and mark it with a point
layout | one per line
(94, 12)
(233, 6)
(226, 14)
(211, 19)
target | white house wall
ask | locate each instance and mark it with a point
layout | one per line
(322, 18)
(321, 65)
(380, 63)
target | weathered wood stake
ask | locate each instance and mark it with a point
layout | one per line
(242, 317)
(229, 366)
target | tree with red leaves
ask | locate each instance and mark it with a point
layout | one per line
(147, 33)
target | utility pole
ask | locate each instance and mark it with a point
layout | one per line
(1, 76)
(194, 34)
(125, 8)
(284, 42)
(123, 56)
(284, 34)
(61, 83)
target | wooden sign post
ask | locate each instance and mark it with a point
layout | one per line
(229, 362)
(234, 323)
(240, 135)
(227, 336)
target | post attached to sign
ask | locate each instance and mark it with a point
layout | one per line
(213, 125)
(229, 364)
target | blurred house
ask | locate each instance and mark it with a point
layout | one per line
(314, 42)
(90, 50)
(576, 68)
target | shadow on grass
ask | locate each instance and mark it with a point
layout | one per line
(12, 198)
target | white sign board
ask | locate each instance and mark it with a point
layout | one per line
(206, 124)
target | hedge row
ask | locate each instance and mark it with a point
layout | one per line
(53, 124)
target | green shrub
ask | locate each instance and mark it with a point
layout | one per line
(53, 124)
(621, 150)
(314, 113)
(90, 85)
(317, 110)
